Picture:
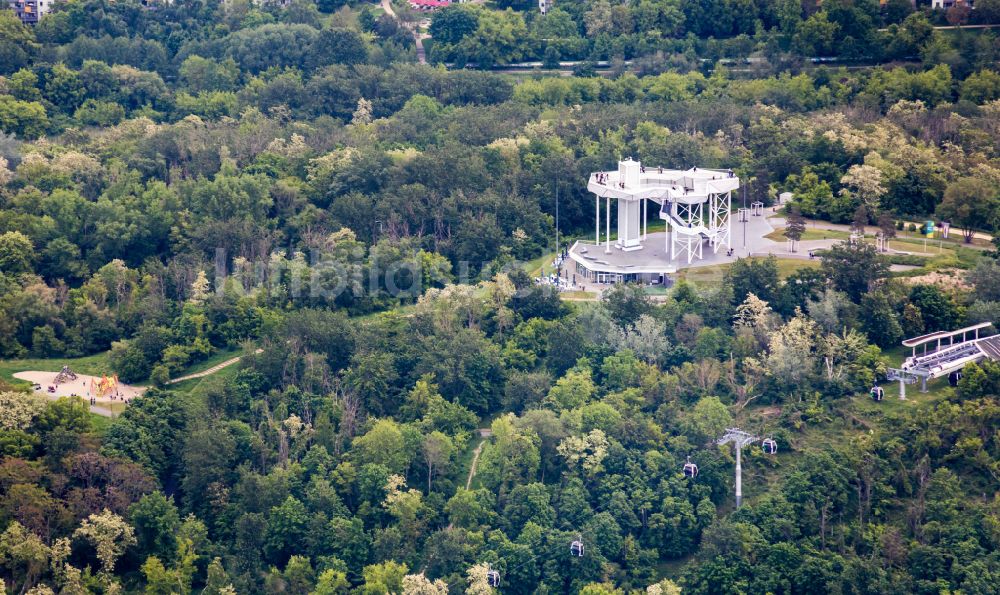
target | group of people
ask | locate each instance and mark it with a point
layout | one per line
(114, 397)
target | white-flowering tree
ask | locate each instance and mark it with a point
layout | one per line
(5, 174)
(864, 182)
(23, 555)
(828, 309)
(646, 338)
(362, 116)
(753, 320)
(110, 535)
(791, 350)
(479, 581)
(586, 452)
(664, 587)
(199, 288)
(419, 584)
(18, 409)
(752, 313)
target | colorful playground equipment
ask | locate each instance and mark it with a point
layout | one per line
(64, 375)
(103, 387)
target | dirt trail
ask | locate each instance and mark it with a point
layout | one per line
(211, 370)
(485, 433)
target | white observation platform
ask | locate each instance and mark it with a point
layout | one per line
(695, 203)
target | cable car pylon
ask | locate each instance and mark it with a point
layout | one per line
(739, 439)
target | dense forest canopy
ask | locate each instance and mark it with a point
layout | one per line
(184, 182)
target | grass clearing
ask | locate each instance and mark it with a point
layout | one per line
(778, 235)
(212, 361)
(578, 295)
(93, 365)
(704, 276)
(538, 267)
(194, 384)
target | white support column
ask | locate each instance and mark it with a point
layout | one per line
(729, 220)
(623, 225)
(645, 221)
(597, 220)
(739, 475)
(607, 216)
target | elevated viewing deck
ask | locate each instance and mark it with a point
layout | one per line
(682, 186)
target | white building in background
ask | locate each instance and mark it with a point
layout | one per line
(30, 11)
(544, 6)
(696, 205)
(946, 4)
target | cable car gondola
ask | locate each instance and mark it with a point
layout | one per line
(877, 393)
(493, 578)
(576, 548)
(690, 469)
(769, 446)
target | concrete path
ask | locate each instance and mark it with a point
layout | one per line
(211, 370)
(871, 229)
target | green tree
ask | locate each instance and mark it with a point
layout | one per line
(499, 38)
(816, 35)
(511, 458)
(338, 46)
(17, 43)
(384, 445)
(821, 490)
(156, 522)
(981, 87)
(897, 10)
(574, 389)
(626, 302)
(969, 204)
(453, 23)
(17, 253)
(795, 226)
(384, 578)
(707, 420)
(437, 451)
(880, 320)
(287, 528)
(854, 268)
(331, 582)
(938, 309)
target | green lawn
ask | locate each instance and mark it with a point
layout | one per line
(578, 295)
(540, 266)
(189, 386)
(703, 276)
(94, 365)
(778, 235)
(213, 360)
